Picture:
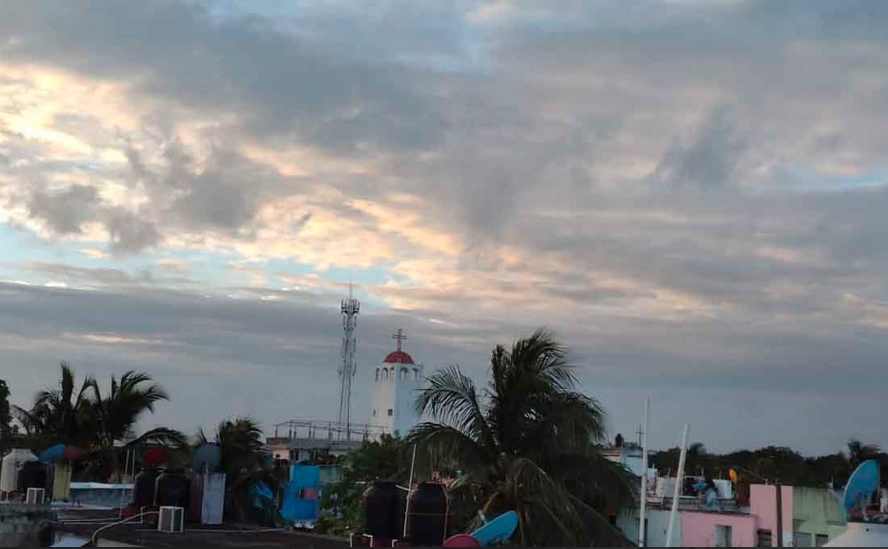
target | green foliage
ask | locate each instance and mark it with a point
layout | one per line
(96, 421)
(776, 463)
(387, 458)
(526, 443)
(243, 462)
(5, 416)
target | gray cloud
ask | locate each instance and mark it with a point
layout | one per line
(129, 233)
(64, 211)
(729, 154)
(249, 347)
(711, 158)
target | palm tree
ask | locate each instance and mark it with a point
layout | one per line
(61, 414)
(242, 460)
(527, 443)
(116, 413)
(94, 421)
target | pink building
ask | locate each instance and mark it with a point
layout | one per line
(745, 529)
(763, 506)
(706, 529)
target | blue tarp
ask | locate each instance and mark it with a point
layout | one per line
(300, 500)
(261, 495)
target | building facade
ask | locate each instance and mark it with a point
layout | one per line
(397, 382)
(811, 517)
(817, 517)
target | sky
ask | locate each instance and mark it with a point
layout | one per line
(691, 194)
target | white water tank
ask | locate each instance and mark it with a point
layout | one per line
(724, 488)
(10, 466)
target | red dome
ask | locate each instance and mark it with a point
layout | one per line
(398, 357)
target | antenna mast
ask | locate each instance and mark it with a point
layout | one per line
(350, 308)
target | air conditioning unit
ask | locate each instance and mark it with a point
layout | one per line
(35, 496)
(171, 520)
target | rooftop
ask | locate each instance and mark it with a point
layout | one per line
(227, 535)
(398, 357)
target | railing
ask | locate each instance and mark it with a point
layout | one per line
(330, 430)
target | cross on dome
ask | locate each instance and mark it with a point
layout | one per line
(399, 337)
(398, 356)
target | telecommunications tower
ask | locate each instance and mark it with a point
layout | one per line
(350, 308)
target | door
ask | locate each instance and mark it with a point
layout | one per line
(722, 535)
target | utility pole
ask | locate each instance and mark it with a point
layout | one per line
(779, 487)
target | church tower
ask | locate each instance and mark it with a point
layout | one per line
(397, 382)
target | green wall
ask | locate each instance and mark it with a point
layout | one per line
(817, 511)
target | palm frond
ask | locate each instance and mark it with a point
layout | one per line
(162, 436)
(445, 443)
(541, 358)
(450, 397)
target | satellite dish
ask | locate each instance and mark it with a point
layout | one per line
(732, 474)
(498, 530)
(52, 454)
(207, 456)
(864, 482)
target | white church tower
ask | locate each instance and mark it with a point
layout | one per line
(397, 382)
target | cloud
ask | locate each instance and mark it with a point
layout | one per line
(64, 211)
(711, 158)
(685, 190)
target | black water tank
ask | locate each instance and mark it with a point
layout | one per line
(31, 475)
(143, 490)
(382, 510)
(427, 514)
(172, 489)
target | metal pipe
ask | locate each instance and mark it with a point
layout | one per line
(410, 488)
(678, 482)
(140, 515)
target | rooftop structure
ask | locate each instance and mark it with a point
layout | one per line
(396, 383)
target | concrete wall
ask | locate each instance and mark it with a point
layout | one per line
(657, 525)
(101, 495)
(20, 524)
(698, 529)
(763, 505)
(395, 388)
(817, 512)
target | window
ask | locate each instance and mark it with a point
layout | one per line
(416, 373)
(820, 540)
(374, 412)
(722, 535)
(801, 539)
(390, 412)
(764, 538)
(377, 374)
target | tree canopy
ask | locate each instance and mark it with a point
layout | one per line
(97, 421)
(527, 442)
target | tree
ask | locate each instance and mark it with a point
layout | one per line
(527, 443)
(242, 460)
(387, 458)
(114, 415)
(5, 416)
(62, 414)
(859, 452)
(96, 421)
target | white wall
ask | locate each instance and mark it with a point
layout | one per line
(657, 525)
(396, 392)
